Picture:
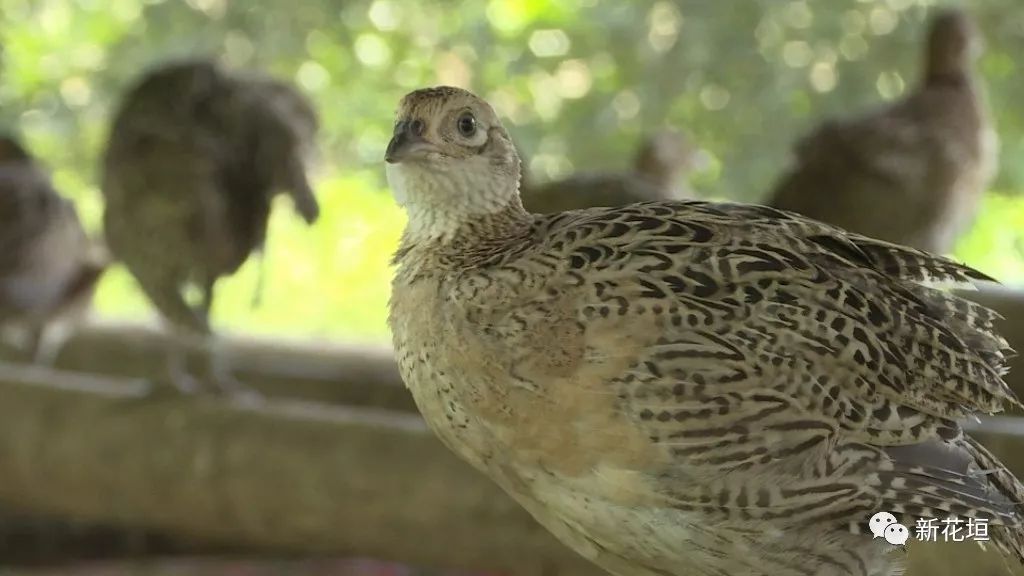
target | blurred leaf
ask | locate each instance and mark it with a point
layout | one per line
(579, 81)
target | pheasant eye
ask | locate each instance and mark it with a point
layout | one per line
(467, 125)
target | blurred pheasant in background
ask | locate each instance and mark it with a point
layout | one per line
(49, 267)
(913, 172)
(196, 156)
(687, 387)
(658, 173)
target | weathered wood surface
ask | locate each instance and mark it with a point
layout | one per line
(29, 539)
(338, 373)
(293, 477)
(290, 476)
(303, 477)
(353, 374)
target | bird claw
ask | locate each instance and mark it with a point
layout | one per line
(222, 385)
(228, 385)
(237, 391)
(186, 384)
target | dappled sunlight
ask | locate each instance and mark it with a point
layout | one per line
(330, 280)
(579, 83)
(672, 388)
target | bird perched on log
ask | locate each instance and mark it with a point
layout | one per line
(913, 172)
(196, 155)
(657, 174)
(49, 267)
(687, 387)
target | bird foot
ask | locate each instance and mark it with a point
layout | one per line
(220, 374)
(47, 343)
(224, 386)
(186, 384)
(237, 391)
(215, 377)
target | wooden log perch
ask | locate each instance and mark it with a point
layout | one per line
(351, 374)
(32, 539)
(338, 373)
(297, 478)
(292, 477)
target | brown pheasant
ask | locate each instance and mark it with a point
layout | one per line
(687, 387)
(657, 174)
(912, 173)
(49, 267)
(195, 157)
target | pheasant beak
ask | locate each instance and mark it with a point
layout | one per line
(407, 143)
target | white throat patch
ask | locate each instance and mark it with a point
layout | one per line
(439, 199)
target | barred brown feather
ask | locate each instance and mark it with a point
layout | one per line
(196, 156)
(687, 387)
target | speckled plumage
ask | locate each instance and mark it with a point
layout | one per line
(688, 387)
(912, 172)
(49, 267)
(195, 157)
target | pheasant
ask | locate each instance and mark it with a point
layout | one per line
(658, 169)
(49, 267)
(687, 387)
(912, 173)
(195, 157)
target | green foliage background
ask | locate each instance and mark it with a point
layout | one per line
(578, 80)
